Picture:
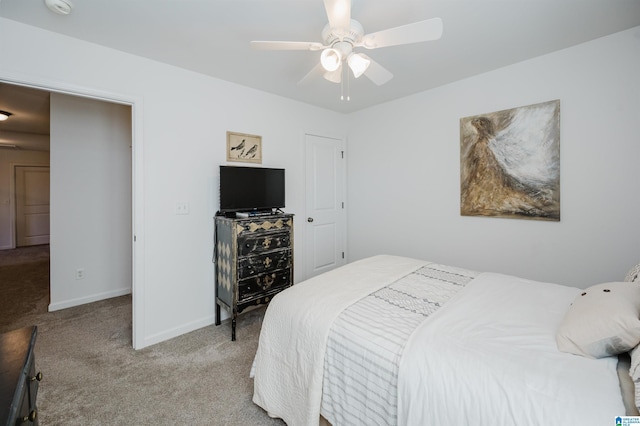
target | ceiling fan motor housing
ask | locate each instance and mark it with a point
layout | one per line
(331, 36)
(344, 47)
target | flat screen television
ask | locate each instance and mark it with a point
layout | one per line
(247, 189)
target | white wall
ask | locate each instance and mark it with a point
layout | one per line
(9, 158)
(404, 170)
(90, 200)
(179, 141)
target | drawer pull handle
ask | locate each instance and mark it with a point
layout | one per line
(31, 417)
(37, 377)
(268, 281)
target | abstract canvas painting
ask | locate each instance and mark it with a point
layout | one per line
(510, 163)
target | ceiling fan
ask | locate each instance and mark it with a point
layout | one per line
(342, 35)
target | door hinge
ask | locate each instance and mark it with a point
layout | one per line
(342, 153)
(134, 238)
(343, 255)
(343, 204)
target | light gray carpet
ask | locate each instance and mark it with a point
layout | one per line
(92, 376)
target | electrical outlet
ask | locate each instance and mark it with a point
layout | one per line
(182, 208)
(80, 274)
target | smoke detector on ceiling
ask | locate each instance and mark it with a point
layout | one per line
(61, 7)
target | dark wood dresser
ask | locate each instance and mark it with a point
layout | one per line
(18, 378)
(253, 261)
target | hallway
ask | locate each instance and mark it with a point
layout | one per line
(24, 285)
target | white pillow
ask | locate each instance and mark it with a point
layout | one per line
(633, 275)
(603, 320)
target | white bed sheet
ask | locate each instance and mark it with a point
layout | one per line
(489, 357)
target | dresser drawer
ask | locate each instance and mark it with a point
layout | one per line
(24, 408)
(260, 243)
(32, 381)
(264, 283)
(266, 262)
(262, 300)
(253, 226)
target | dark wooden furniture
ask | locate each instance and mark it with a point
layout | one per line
(18, 378)
(253, 261)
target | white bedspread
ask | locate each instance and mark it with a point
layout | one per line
(491, 349)
(290, 357)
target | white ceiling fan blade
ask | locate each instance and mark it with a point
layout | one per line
(431, 29)
(376, 72)
(339, 15)
(334, 76)
(286, 45)
(315, 72)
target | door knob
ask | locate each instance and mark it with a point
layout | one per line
(309, 219)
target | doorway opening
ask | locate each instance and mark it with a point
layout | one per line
(71, 268)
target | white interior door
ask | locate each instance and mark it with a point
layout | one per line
(32, 205)
(325, 213)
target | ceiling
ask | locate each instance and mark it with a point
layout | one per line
(212, 37)
(28, 127)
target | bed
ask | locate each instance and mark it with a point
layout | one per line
(392, 340)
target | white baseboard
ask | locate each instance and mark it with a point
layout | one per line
(177, 331)
(88, 299)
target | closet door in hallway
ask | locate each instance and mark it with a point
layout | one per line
(32, 205)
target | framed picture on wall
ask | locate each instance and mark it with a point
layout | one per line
(244, 148)
(510, 163)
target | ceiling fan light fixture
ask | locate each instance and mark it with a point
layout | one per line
(4, 115)
(358, 64)
(330, 59)
(334, 76)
